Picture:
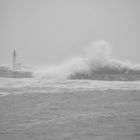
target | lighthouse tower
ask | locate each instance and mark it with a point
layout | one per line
(14, 60)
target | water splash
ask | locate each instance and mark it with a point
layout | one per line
(96, 58)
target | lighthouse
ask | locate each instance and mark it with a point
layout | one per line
(15, 71)
(14, 60)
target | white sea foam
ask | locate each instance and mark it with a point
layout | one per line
(20, 86)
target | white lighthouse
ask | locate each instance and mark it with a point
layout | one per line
(14, 60)
(15, 65)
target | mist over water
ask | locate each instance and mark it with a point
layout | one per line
(96, 58)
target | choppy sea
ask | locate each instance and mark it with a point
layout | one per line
(9, 86)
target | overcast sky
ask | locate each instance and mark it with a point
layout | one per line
(50, 31)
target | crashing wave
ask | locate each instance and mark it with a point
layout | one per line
(100, 66)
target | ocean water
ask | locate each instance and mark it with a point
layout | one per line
(54, 109)
(42, 85)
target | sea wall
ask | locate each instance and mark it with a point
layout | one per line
(106, 77)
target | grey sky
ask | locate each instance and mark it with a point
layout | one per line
(50, 31)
